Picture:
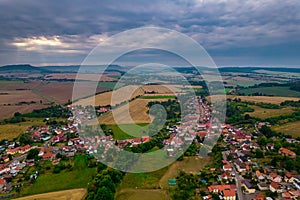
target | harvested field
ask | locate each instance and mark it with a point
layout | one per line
(61, 92)
(264, 113)
(137, 110)
(8, 111)
(74, 194)
(292, 129)
(265, 99)
(85, 77)
(16, 96)
(113, 97)
(128, 92)
(162, 89)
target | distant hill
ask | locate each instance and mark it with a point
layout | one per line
(253, 69)
(85, 69)
(24, 68)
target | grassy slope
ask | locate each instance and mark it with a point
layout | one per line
(10, 131)
(264, 113)
(292, 128)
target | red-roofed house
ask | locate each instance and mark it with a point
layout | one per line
(227, 167)
(274, 187)
(229, 194)
(2, 183)
(145, 139)
(24, 149)
(259, 196)
(288, 178)
(287, 152)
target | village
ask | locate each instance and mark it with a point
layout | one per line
(241, 176)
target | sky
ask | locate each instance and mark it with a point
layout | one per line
(233, 32)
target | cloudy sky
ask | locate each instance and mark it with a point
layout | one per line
(234, 32)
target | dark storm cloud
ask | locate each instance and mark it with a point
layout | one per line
(222, 27)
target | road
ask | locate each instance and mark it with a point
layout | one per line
(237, 178)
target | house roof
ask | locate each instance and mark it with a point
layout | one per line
(287, 151)
(221, 187)
(259, 196)
(229, 193)
(247, 184)
(2, 181)
(274, 185)
(288, 175)
(258, 173)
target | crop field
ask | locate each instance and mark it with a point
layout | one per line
(74, 194)
(11, 131)
(61, 92)
(158, 97)
(242, 81)
(272, 91)
(264, 113)
(162, 89)
(17, 96)
(292, 129)
(265, 99)
(113, 97)
(134, 112)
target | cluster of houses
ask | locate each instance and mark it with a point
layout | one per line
(240, 166)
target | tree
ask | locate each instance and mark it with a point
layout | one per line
(108, 184)
(33, 153)
(104, 194)
(259, 154)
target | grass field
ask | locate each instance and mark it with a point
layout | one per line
(272, 91)
(188, 165)
(155, 185)
(264, 113)
(143, 180)
(292, 129)
(74, 194)
(78, 178)
(11, 131)
(131, 194)
(134, 130)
